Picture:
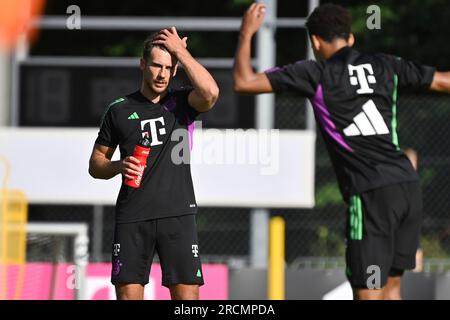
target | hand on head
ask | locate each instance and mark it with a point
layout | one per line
(170, 39)
(253, 18)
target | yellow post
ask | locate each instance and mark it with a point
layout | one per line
(276, 259)
(13, 235)
(3, 229)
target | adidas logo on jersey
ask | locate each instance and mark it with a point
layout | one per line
(133, 116)
(369, 122)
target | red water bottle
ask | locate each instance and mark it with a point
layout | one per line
(141, 152)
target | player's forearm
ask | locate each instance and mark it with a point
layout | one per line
(201, 80)
(242, 70)
(104, 168)
(441, 82)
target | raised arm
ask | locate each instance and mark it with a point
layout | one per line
(206, 91)
(101, 166)
(245, 79)
(441, 82)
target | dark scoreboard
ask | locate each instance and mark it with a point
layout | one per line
(76, 96)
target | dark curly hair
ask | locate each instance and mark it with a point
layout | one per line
(330, 21)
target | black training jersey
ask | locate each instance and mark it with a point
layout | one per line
(354, 97)
(166, 189)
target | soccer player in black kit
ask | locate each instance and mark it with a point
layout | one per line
(160, 215)
(354, 99)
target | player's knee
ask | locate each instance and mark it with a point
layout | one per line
(392, 290)
(392, 295)
(367, 294)
(129, 291)
(184, 292)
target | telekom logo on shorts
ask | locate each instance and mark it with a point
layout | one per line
(195, 250)
(154, 130)
(116, 249)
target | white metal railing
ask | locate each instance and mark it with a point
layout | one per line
(73, 61)
(153, 23)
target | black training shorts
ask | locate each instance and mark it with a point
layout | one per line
(382, 232)
(175, 241)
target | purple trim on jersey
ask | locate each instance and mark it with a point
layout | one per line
(324, 117)
(171, 103)
(191, 126)
(273, 69)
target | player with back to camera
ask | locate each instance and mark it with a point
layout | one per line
(354, 98)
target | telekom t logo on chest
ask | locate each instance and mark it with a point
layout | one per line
(154, 129)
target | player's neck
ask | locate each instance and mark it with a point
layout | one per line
(150, 94)
(334, 47)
